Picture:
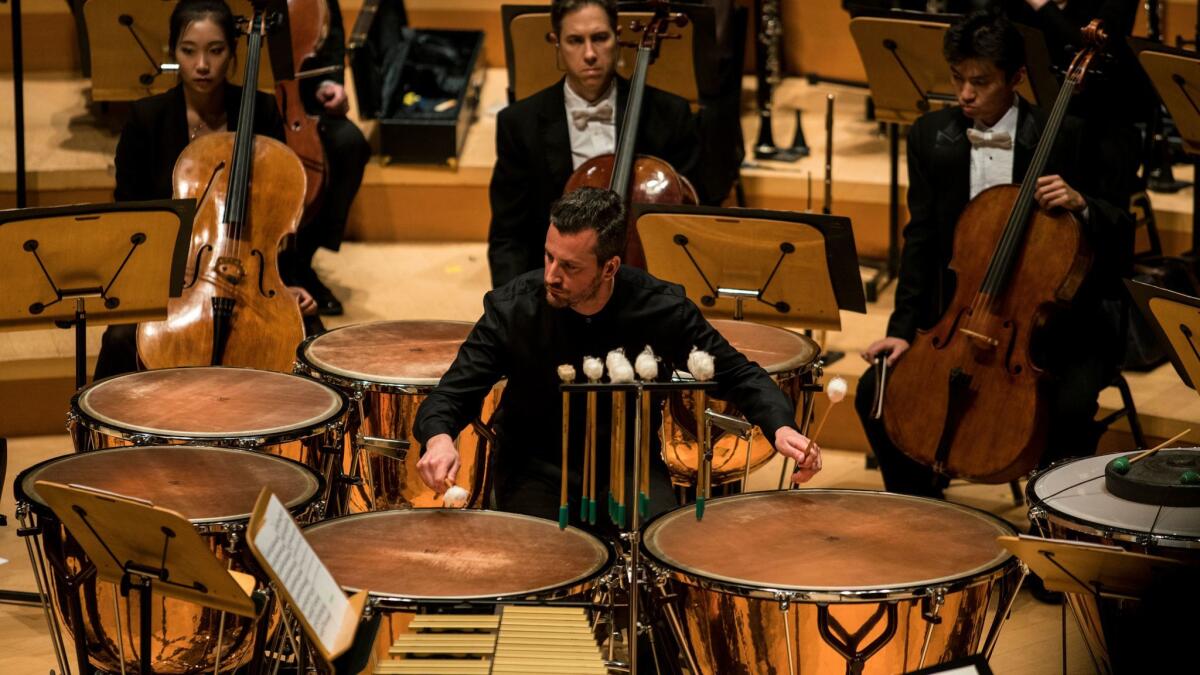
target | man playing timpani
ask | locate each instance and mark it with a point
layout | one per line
(583, 303)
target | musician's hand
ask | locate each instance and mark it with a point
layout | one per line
(308, 306)
(1053, 192)
(792, 443)
(894, 347)
(333, 97)
(439, 463)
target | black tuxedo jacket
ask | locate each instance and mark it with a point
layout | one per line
(157, 132)
(533, 164)
(939, 184)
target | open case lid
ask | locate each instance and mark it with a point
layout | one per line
(685, 66)
(1176, 77)
(804, 266)
(907, 74)
(1176, 321)
(126, 257)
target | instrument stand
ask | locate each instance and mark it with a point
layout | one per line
(121, 260)
(133, 544)
(1175, 74)
(18, 68)
(1176, 321)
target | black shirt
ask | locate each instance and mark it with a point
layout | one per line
(522, 338)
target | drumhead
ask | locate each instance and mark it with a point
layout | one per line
(413, 353)
(451, 554)
(842, 541)
(209, 402)
(204, 484)
(775, 349)
(1075, 491)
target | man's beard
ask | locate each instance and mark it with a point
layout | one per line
(564, 301)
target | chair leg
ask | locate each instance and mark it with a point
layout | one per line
(1135, 424)
(1018, 496)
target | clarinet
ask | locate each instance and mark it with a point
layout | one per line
(769, 71)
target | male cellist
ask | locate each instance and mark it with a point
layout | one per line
(953, 155)
(541, 139)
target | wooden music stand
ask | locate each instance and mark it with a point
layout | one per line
(795, 270)
(129, 53)
(329, 619)
(908, 77)
(134, 544)
(1087, 568)
(116, 262)
(1175, 74)
(1176, 321)
(686, 66)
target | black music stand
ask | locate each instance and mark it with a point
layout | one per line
(1175, 74)
(136, 545)
(795, 270)
(1176, 321)
(110, 263)
(908, 76)
(687, 66)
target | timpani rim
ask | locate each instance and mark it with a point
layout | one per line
(794, 363)
(30, 496)
(564, 588)
(362, 380)
(1040, 508)
(329, 415)
(914, 588)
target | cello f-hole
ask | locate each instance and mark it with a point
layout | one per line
(196, 266)
(262, 268)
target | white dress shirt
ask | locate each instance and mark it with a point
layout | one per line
(992, 166)
(598, 136)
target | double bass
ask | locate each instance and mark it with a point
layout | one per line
(234, 309)
(967, 399)
(308, 26)
(640, 179)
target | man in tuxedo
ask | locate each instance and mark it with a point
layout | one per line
(542, 139)
(953, 155)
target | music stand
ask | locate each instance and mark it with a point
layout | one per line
(686, 66)
(129, 51)
(795, 270)
(115, 263)
(136, 545)
(1176, 321)
(907, 76)
(1175, 74)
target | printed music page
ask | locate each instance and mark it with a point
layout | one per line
(305, 579)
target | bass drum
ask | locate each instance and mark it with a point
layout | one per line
(832, 581)
(215, 489)
(389, 368)
(1070, 500)
(789, 358)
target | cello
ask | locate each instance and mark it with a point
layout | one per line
(640, 179)
(308, 25)
(234, 309)
(967, 399)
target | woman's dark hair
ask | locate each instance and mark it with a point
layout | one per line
(988, 36)
(561, 8)
(590, 208)
(189, 11)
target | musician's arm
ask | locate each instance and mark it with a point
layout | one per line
(684, 145)
(919, 261)
(511, 195)
(132, 160)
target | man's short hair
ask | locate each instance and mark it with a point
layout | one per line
(590, 208)
(988, 36)
(561, 8)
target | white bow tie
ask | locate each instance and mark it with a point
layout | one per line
(601, 113)
(989, 139)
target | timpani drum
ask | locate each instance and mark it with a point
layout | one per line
(216, 489)
(832, 581)
(272, 412)
(786, 356)
(418, 560)
(1071, 500)
(389, 367)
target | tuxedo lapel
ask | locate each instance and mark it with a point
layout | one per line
(1029, 131)
(556, 139)
(952, 159)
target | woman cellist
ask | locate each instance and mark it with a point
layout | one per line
(202, 37)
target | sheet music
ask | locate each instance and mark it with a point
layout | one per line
(314, 593)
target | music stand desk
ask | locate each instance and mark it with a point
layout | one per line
(789, 269)
(134, 544)
(686, 66)
(1176, 321)
(1087, 568)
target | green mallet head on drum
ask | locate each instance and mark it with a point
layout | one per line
(1190, 477)
(1121, 465)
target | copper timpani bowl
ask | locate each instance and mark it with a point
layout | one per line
(388, 368)
(215, 488)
